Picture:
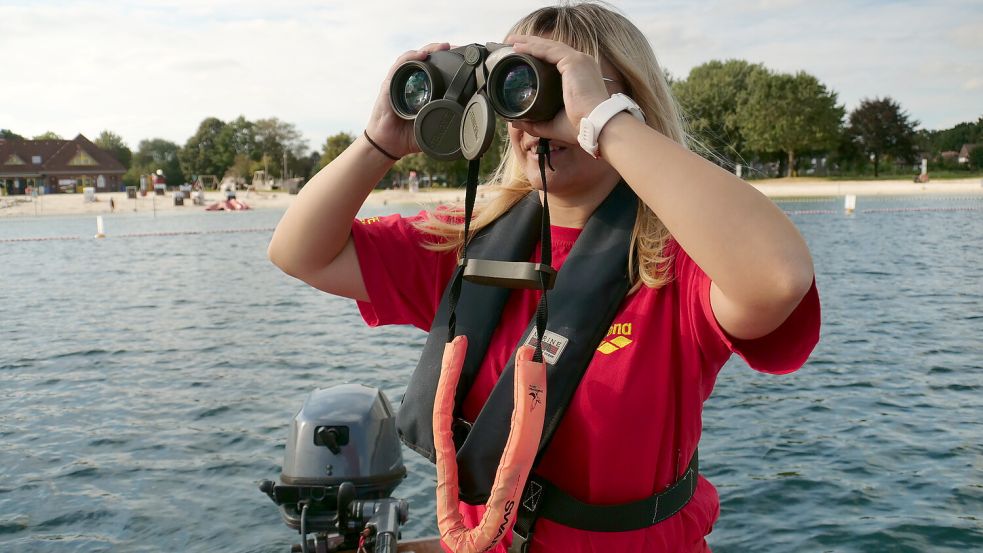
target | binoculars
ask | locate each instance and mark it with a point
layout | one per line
(452, 97)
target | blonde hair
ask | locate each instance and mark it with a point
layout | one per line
(600, 32)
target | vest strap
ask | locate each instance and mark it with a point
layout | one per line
(543, 499)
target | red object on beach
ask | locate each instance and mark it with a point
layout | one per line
(228, 205)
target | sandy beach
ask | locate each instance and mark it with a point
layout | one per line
(75, 204)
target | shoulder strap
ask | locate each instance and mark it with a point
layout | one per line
(589, 290)
(478, 310)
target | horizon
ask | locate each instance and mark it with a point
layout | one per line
(156, 69)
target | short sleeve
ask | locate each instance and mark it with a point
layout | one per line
(782, 351)
(404, 279)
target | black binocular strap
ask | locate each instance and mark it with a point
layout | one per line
(470, 193)
(546, 245)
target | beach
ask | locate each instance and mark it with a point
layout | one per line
(75, 204)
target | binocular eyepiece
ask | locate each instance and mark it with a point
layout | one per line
(453, 96)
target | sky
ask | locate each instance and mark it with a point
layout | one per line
(156, 69)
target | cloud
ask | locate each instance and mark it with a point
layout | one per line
(968, 36)
(157, 68)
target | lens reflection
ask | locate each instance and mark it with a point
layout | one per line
(519, 88)
(416, 92)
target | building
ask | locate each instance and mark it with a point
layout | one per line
(964, 153)
(54, 166)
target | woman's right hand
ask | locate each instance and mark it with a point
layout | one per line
(391, 132)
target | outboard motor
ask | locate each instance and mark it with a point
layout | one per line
(343, 460)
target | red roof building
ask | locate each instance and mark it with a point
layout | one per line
(965, 151)
(57, 166)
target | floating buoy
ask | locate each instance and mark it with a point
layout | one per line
(850, 205)
(100, 229)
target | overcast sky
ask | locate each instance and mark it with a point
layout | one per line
(157, 68)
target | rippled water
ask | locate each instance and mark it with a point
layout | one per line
(147, 384)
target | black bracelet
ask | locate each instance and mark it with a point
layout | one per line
(377, 147)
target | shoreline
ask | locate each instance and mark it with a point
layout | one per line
(74, 204)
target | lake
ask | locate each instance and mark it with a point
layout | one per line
(148, 381)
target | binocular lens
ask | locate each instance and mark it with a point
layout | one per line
(519, 88)
(416, 92)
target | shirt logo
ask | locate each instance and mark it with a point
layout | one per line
(369, 220)
(621, 331)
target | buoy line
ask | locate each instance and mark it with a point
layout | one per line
(138, 235)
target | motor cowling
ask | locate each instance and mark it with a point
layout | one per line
(342, 462)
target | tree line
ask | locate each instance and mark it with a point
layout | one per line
(740, 112)
(736, 112)
(239, 148)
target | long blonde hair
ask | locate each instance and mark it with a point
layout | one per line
(599, 32)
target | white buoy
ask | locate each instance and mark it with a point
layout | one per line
(850, 205)
(100, 229)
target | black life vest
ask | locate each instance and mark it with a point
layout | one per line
(588, 292)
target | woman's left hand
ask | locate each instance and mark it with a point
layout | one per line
(583, 86)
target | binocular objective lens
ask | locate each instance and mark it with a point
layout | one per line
(416, 93)
(519, 88)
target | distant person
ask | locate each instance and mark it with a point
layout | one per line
(710, 267)
(112, 205)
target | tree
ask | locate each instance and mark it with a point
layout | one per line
(154, 154)
(882, 127)
(240, 135)
(976, 156)
(790, 114)
(274, 138)
(963, 133)
(709, 97)
(209, 151)
(49, 135)
(10, 135)
(113, 143)
(333, 146)
(310, 165)
(242, 167)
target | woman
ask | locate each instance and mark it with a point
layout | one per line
(715, 268)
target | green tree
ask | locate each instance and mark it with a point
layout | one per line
(240, 135)
(209, 151)
(154, 154)
(964, 133)
(790, 114)
(847, 155)
(242, 167)
(333, 146)
(310, 165)
(113, 143)
(273, 139)
(49, 135)
(10, 135)
(976, 156)
(709, 97)
(882, 127)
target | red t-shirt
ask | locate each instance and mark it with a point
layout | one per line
(635, 420)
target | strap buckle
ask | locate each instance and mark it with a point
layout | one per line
(526, 515)
(520, 543)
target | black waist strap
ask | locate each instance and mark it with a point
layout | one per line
(543, 499)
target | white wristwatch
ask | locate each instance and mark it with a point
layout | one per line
(590, 126)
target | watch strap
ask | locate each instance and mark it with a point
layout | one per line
(590, 126)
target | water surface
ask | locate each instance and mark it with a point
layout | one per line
(147, 384)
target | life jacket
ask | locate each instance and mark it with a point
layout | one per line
(582, 305)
